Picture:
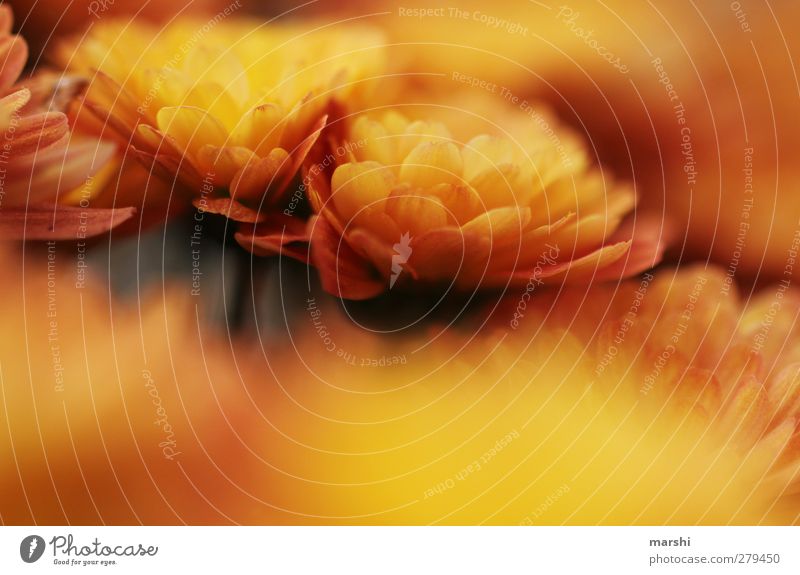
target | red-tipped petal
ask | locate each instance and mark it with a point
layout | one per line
(277, 234)
(649, 240)
(342, 272)
(229, 208)
(52, 222)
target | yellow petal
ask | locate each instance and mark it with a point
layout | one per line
(372, 140)
(191, 128)
(223, 163)
(486, 153)
(220, 65)
(415, 212)
(503, 227)
(261, 129)
(359, 185)
(498, 186)
(217, 101)
(462, 202)
(419, 132)
(432, 163)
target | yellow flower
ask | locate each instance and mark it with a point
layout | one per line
(42, 159)
(227, 101)
(339, 426)
(408, 205)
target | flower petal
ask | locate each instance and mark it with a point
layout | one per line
(13, 56)
(191, 127)
(416, 213)
(342, 271)
(260, 129)
(276, 234)
(51, 222)
(432, 163)
(258, 177)
(502, 227)
(484, 153)
(360, 185)
(648, 242)
(229, 208)
(224, 163)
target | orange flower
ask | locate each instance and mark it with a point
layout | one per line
(229, 104)
(695, 350)
(337, 426)
(408, 205)
(40, 158)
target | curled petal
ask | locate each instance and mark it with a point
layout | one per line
(229, 208)
(277, 234)
(257, 177)
(341, 270)
(648, 242)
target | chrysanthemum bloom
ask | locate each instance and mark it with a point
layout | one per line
(225, 104)
(41, 160)
(407, 206)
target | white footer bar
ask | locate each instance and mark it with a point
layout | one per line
(400, 550)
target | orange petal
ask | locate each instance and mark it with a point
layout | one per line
(579, 270)
(219, 64)
(258, 177)
(50, 222)
(223, 163)
(372, 249)
(648, 242)
(277, 234)
(502, 227)
(416, 213)
(342, 272)
(440, 255)
(156, 142)
(376, 143)
(300, 153)
(13, 56)
(6, 19)
(170, 168)
(110, 99)
(784, 393)
(38, 131)
(497, 187)
(229, 208)
(463, 202)
(68, 168)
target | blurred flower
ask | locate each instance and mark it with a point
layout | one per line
(494, 212)
(695, 350)
(46, 20)
(126, 425)
(41, 160)
(228, 106)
